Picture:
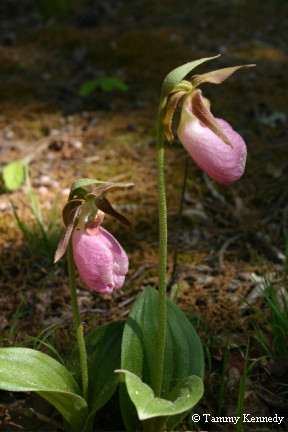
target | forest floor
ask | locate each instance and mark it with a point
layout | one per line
(231, 239)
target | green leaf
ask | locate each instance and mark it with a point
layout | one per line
(13, 174)
(111, 83)
(182, 398)
(103, 347)
(183, 349)
(176, 75)
(88, 87)
(104, 352)
(25, 369)
(106, 84)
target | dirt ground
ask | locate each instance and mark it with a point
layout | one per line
(46, 55)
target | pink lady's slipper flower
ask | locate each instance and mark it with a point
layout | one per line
(215, 147)
(211, 142)
(101, 262)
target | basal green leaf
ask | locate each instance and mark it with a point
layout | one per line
(25, 369)
(13, 175)
(104, 352)
(104, 355)
(183, 349)
(182, 398)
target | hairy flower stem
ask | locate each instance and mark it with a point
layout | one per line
(162, 251)
(77, 322)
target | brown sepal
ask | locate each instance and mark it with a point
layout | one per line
(104, 205)
(69, 206)
(63, 243)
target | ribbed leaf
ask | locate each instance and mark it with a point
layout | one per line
(182, 398)
(183, 349)
(25, 369)
(104, 352)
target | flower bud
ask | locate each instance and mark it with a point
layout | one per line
(211, 142)
(101, 261)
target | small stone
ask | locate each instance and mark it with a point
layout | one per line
(9, 134)
(42, 190)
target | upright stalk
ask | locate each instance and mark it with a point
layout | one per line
(178, 232)
(77, 322)
(162, 251)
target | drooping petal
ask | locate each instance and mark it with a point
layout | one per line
(200, 107)
(222, 162)
(101, 261)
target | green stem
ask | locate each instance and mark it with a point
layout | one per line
(162, 252)
(78, 323)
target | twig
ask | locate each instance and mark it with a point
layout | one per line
(212, 190)
(31, 413)
(225, 245)
(138, 271)
(267, 243)
(127, 301)
(271, 399)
